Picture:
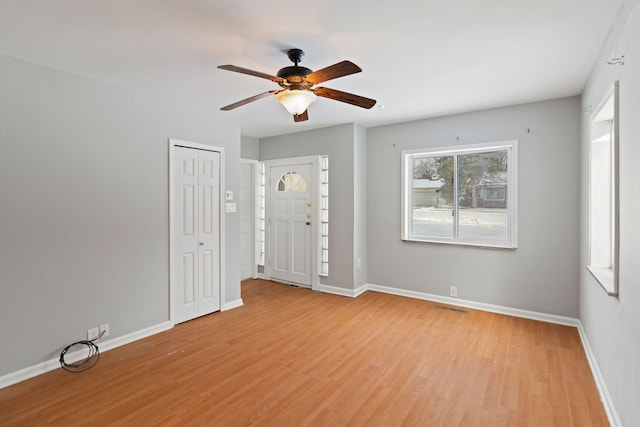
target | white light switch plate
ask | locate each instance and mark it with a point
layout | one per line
(230, 207)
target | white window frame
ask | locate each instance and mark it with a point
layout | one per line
(604, 268)
(511, 192)
(323, 268)
(261, 214)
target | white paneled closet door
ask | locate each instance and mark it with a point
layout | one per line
(197, 233)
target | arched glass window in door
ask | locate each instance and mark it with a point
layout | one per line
(292, 181)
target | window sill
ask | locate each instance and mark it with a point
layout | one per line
(606, 278)
(496, 245)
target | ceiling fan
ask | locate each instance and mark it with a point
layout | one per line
(298, 86)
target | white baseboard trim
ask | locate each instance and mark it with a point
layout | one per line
(607, 402)
(352, 293)
(50, 365)
(361, 290)
(233, 304)
(516, 312)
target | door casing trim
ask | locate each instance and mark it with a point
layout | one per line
(255, 206)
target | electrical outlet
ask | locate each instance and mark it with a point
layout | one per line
(104, 330)
(453, 291)
(92, 334)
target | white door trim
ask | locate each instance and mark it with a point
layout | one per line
(180, 143)
(315, 229)
(255, 208)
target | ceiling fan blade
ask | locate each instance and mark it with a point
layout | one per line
(349, 98)
(301, 117)
(248, 100)
(334, 71)
(252, 73)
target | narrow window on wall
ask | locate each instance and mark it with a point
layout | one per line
(461, 195)
(262, 219)
(324, 195)
(603, 193)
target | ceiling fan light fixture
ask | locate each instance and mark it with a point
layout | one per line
(298, 86)
(296, 101)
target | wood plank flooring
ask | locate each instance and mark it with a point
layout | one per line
(294, 357)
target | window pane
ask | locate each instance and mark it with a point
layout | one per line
(432, 197)
(604, 192)
(601, 195)
(482, 203)
(298, 183)
(260, 260)
(324, 269)
(292, 181)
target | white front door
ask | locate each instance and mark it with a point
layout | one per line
(291, 206)
(196, 270)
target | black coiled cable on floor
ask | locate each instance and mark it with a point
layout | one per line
(85, 364)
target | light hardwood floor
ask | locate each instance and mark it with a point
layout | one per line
(294, 357)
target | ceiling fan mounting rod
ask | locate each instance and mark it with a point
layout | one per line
(295, 55)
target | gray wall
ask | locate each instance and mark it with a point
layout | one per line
(613, 324)
(338, 143)
(84, 208)
(249, 148)
(541, 274)
(360, 206)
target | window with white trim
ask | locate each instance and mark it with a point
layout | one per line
(324, 211)
(603, 193)
(461, 195)
(263, 217)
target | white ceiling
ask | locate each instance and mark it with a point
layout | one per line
(419, 58)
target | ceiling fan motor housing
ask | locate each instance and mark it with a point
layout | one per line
(294, 70)
(295, 56)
